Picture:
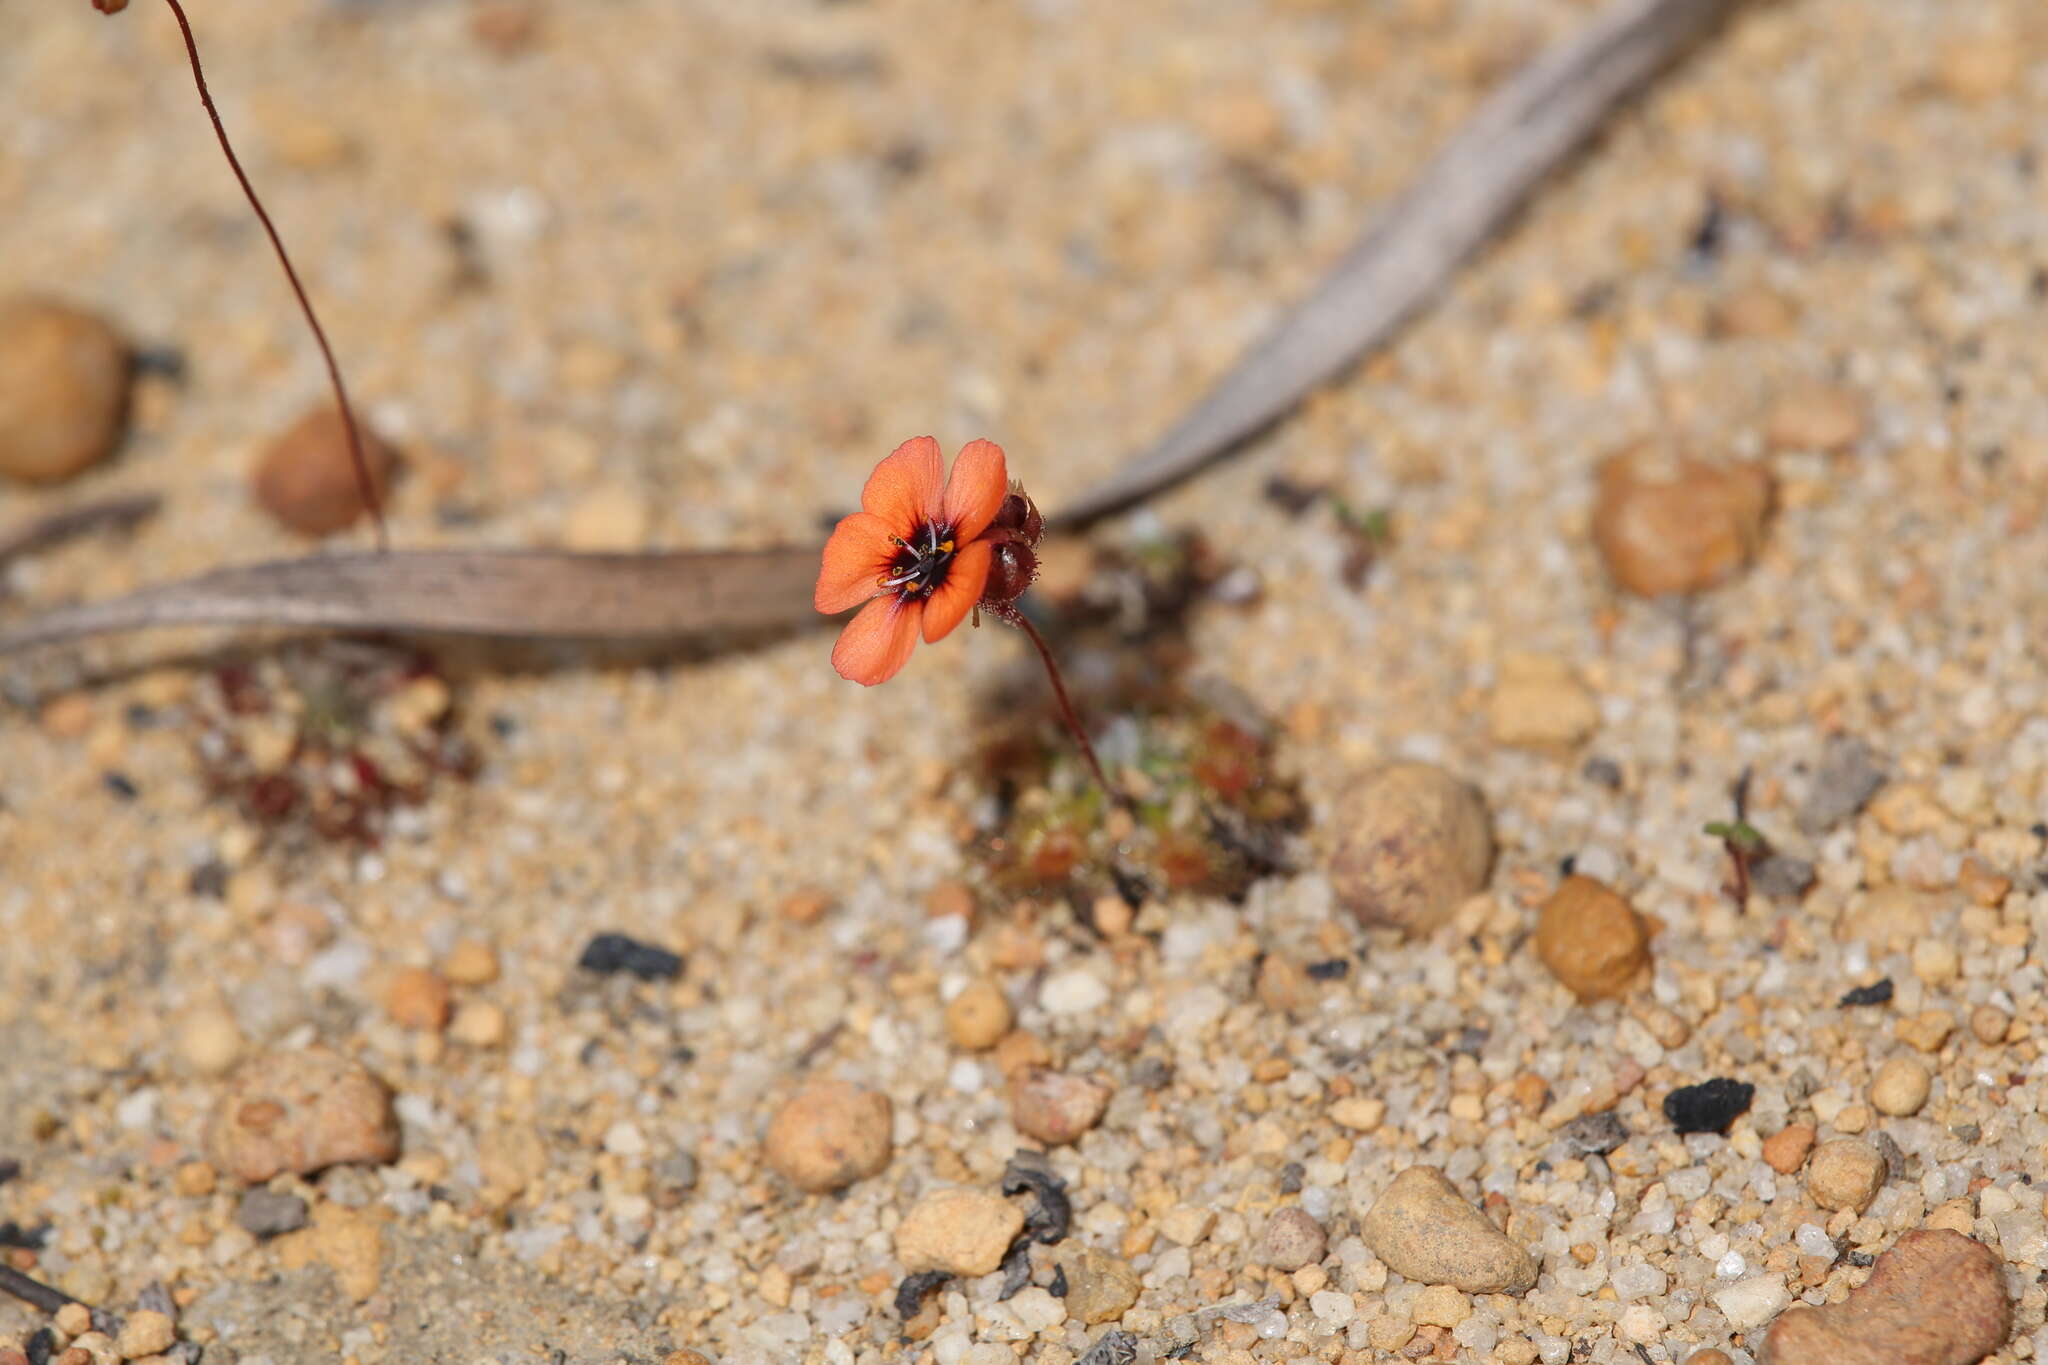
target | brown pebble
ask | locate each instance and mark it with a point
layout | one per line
(1785, 1150)
(506, 28)
(1980, 67)
(1424, 1229)
(978, 1017)
(1925, 1031)
(1845, 1173)
(1988, 1024)
(1021, 1048)
(194, 1179)
(69, 716)
(478, 1023)
(1282, 986)
(1755, 311)
(806, 905)
(306, 479)
(962, 1232)
(1591, 939)
(146, 1333)
(418, 999)
(1900, 1087)
(1054, 1107)
(1936, 1298)
(1677, 525)
(1710, 1356)
(300, 1112)
(950, 898)
(830, 1134)
(1100, 1287)
(1412, 843)
(686, 1356)
(471, 962)
(1540, 703)
(1818, 417)
(64, 381)
(1294, 1239)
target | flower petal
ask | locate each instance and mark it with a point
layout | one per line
(855, 557)
(905, 489)
(965, 578)
(875, 644)
(975, 492)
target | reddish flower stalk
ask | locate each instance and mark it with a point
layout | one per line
(365, 485)
(923, 552)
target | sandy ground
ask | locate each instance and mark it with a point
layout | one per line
(678, 274)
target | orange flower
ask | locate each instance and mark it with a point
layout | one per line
(914, 553)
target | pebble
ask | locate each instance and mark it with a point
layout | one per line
(418, 999)
(1785, 1150)
(1709, 1107)
(1845, 1173)
(90, 1348)
(1936, 962)
(1710, 1356)
(806, 904)
(1412, 843)
(146, 1333)
(1187, 1225)
(1540, 703)
(1900, 1087)
(1847, 776)
(609, 519)
(1988, 1024)
(509, 29)
(1878, 992)
(306, 478)
(478, 1023)
(1925, 1031)
(1755, 311)
(1100, 1287)
(1074, 991)
(1978, 67)
(1936, 1298)
(300, 1112)
(1037, 1310)
(64, 382)
(1749, 1304)
(1820, 417)
(471, 962)
(959, 1231)
(210, 1040)
(978, 1017)
(1359, 1113)
(195, 1179)
(830, 1134)
(1293, 1239)
(1684, 525)
(610, 954)
(1594, 1134)
(1425, 1230)
(268, 1213)
(1592, 939)
(1440, 1305)
(1054, 1107)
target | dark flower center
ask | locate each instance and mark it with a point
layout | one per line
(920, 563)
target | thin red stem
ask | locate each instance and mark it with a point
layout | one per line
(366, 485)
(1067, 714)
